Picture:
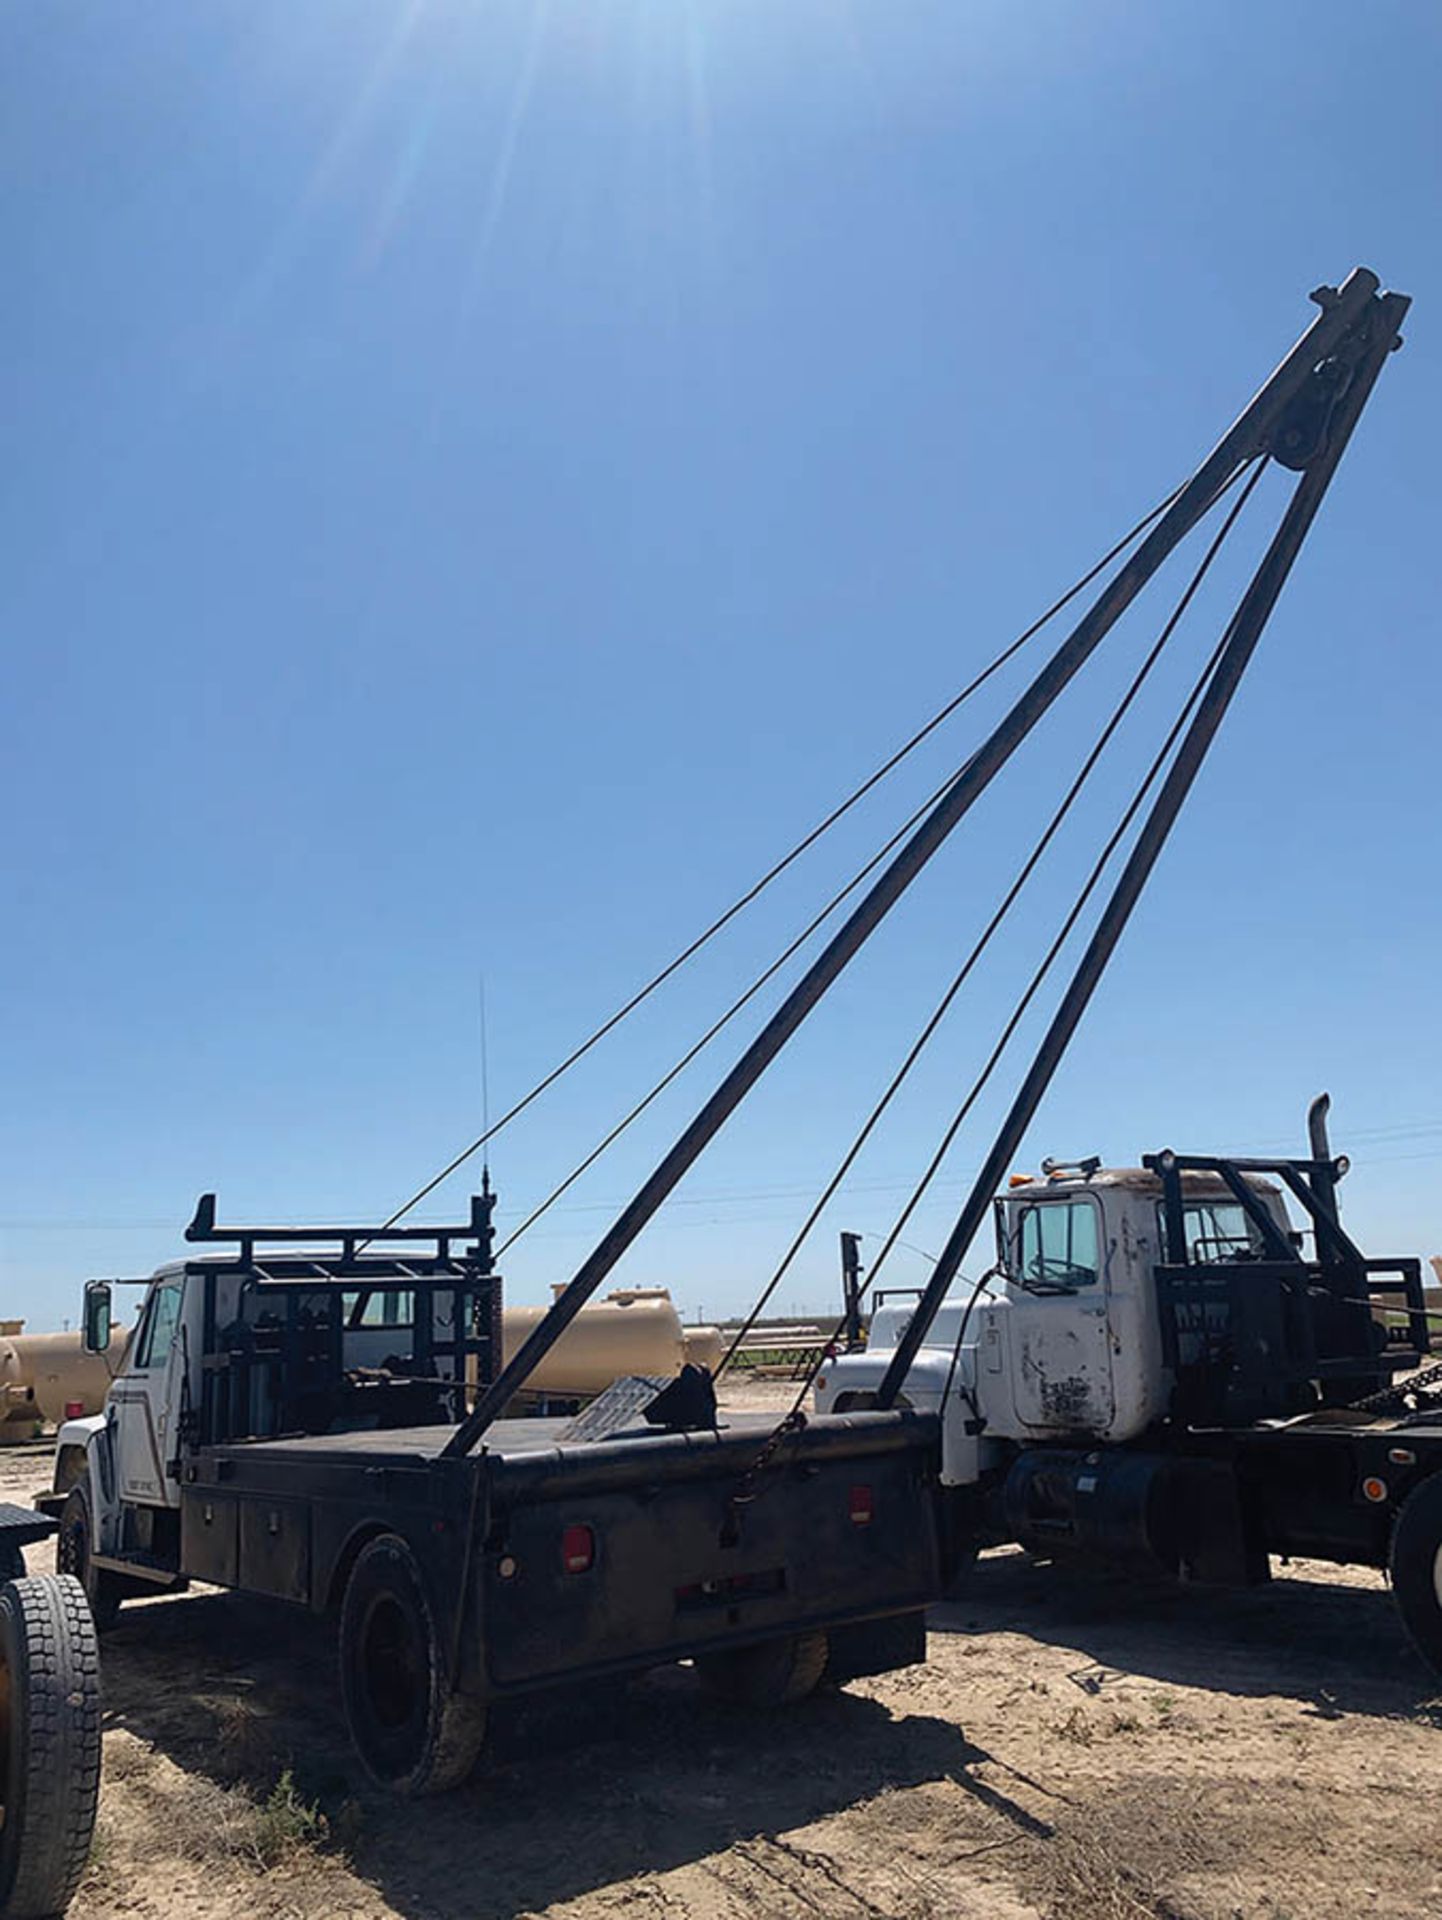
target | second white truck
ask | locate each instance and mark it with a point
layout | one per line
(1163, 1370)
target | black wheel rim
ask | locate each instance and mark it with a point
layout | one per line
(392, 1666)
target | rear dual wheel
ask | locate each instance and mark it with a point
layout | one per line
(775, 1673)
(412, 1732)
(1415, 1564)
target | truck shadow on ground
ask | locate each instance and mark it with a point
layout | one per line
(1338, 1646)
(580, 1790)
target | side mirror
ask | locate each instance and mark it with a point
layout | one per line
(97, 1316)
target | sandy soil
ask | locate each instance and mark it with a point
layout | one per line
(1072, 1750)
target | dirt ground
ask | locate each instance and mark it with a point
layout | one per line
(1072, 1750)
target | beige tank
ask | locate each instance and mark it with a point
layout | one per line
(704, 1347)
(47, 1377)
(635, 1330)
(19, 1415)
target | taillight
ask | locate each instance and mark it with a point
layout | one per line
(74, 1409)
(861, 1506)
(578, 1549)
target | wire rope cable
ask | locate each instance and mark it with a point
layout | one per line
(724, 1019)
(1059, 941)
(959, 979)
(1089, 887)
(787, 860)
(799, 941)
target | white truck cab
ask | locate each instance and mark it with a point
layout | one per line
(116, 1488)
(1063, 1341)
(117, 1479)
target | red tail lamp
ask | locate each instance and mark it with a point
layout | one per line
(861, 1506)
(74, 1409)
(578, 1549)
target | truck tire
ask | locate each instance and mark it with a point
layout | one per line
(73, 1556)
(1415, 1564)
(49, 1743)
(411, 1732)
(776, 1673)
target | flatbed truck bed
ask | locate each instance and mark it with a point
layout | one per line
(507, 1439)
(646, 1546)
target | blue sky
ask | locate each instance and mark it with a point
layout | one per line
(483, 478)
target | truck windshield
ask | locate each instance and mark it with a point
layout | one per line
(1058, 1245)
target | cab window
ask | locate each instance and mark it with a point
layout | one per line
(161, 1319)
(1057, 1245)
(1216, 1231)
(383, 1308)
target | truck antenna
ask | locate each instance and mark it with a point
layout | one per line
(485, 1093)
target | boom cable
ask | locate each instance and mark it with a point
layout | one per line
(825, 913)
(963, 973)
(1048, 960)
(736, 1005)
(788, 859)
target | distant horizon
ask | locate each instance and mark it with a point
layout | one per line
(483, 483)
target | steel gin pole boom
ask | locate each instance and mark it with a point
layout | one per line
(1249, 434)
(1334, 420)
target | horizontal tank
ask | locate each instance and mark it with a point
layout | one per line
(635, 1330)
(44, 1377)
(703, 1347)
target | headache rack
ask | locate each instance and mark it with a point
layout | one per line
(1270, 1333)
(309, 1330)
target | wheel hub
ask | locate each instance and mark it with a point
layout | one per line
(392, 1665)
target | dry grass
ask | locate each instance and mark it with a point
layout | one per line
(157, 1814)
(1127, 1858)
(245, 1743)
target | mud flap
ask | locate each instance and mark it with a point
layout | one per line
(1212, 1540)
(876, 1646)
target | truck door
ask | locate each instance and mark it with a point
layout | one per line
(145, 1401)
(1061, 1367)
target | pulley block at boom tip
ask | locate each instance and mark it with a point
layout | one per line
(1348, 318)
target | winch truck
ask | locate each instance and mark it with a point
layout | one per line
(1162, 1371)
(284, 1423)
(325, 1416)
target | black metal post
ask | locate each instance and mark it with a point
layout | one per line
(1340, 310)
(1246, 627)
(851, 1272)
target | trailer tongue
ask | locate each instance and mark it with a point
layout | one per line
(324, 1415)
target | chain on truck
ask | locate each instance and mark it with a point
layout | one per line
(325, 1416)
